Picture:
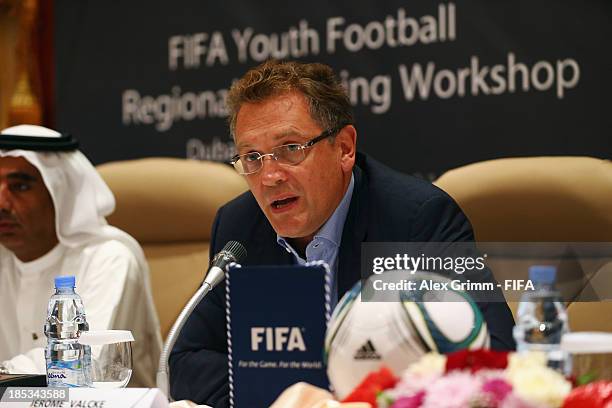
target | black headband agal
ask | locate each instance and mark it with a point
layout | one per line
(38, 143)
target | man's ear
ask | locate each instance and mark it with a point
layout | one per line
(346, 139)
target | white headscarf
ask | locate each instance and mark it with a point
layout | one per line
(81, 198)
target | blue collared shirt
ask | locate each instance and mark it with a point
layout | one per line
(326, 243)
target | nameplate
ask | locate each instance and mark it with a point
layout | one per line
(15, 397)
(277, 318)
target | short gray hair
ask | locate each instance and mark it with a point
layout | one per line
(327, 99)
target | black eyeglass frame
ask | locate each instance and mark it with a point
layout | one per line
(324, 135)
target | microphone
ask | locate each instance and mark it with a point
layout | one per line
(232, 252)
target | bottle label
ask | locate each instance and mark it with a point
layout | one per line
(64, 374)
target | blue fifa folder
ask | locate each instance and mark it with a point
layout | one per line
(276, 321)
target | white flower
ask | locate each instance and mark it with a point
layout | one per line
(428, 365)
(525, 361)
(536, 383)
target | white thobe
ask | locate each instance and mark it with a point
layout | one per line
(115, 292)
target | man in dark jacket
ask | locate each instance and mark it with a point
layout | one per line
(312, 197)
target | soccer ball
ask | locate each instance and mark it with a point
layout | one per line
(362, 336)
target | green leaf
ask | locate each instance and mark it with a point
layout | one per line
(586, 378)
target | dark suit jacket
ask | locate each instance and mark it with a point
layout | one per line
(386, 206)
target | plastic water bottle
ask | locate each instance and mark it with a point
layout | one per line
(68, 362)
(542, 319)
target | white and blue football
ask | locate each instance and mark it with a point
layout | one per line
(362, 336)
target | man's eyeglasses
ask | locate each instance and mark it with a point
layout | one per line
(289, 154)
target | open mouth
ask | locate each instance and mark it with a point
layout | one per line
(7, 227)
(278, 204)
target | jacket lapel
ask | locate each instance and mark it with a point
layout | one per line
(354, 233)
(266, 250)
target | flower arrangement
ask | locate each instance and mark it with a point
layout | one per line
(479, 379)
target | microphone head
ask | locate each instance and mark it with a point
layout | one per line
(232, 252)
(235, 250)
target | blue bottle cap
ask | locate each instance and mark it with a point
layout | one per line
(64, 281)
(543, 274)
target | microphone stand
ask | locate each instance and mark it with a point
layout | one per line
(214, 276)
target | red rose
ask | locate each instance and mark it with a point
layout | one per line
(594, 395)
(371, 385)
(476, 360)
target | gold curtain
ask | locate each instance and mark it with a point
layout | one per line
(20, 82)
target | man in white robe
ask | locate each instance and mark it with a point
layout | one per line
(52, 209)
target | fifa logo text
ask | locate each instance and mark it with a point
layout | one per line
(277, 338)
